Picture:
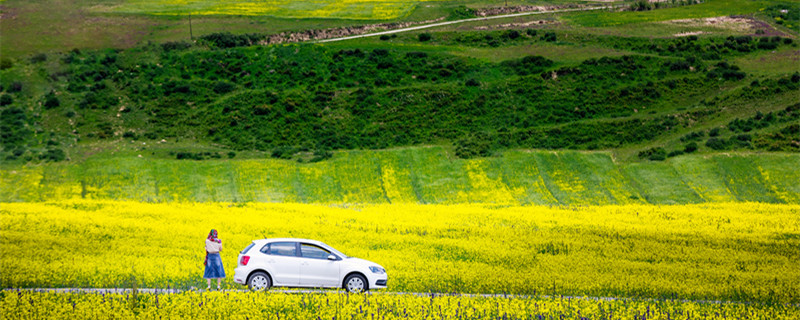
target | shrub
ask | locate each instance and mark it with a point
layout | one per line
(714, 132)
(231, 155)
(655, 154)
(229, 40)
(550, 37)
(175, 45)
(41, 57)
(223, 87)
(474, 145)
(283, 152)
(416, 55)
(674, 153)
(512, 34)
(16, 86)
(51, 101)
(424, 37)
(462, 12)
(6, 63)
(472, 83)
(6, 99)
(385, 37)
(717, 144)
(321, 155)
(690, 147)
(54, 155)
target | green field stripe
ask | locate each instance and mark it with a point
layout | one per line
(704, 177)
(564, 183)
(603, 177)
(264, 180)
(358, 178)
(743, 178)
(396, 179)
(781, 175)
(437, 178)
(520, 173)
(660, 183)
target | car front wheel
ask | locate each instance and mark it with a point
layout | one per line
(356, 283)
(259, 281)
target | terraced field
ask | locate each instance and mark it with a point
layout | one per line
(428, 175)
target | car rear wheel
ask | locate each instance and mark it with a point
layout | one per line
(356, 283)
(259, 281)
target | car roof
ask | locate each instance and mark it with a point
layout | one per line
(270, 240)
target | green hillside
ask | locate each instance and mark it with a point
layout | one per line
(666, 98)
(428, 175)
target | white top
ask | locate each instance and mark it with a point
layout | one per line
(213, 247)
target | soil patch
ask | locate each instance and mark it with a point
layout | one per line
(743, 24)
(517, 25)
(517, 9)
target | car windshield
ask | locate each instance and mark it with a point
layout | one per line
(336, 252)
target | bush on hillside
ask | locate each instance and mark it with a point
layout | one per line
(424, 37)
(51, 101)
(655, 154)
(53, 155)
(229, 40)
(6, 63)
(477, 144)
(690, 147)
(717, 144)
(6, 99)
(223, 87)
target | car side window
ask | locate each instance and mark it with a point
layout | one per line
(314, 252)
(288, 249)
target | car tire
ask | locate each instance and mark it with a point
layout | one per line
(259, 281)
(356, 283)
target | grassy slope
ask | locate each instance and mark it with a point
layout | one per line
(417, 175)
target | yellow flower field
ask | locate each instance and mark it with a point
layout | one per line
(736, 251)
(344, 9)
(253, 305)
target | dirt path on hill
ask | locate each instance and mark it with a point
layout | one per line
(439, 24)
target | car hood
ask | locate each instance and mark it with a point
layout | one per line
(360, 262)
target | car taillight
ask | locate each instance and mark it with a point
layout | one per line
(245, 260)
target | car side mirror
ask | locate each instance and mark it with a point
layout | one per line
(332, 257)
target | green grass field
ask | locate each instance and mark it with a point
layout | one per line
(428, 175)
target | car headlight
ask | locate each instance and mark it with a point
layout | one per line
(377, 270)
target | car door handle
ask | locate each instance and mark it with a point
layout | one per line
(271, 261)
(304, 264)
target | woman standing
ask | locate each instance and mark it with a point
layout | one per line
(213, 262)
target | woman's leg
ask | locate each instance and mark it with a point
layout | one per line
(209, 284)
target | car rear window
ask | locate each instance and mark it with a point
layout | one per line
(248, 248)
(288, 249)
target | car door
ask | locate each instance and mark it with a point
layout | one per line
(315, 269)
(283, 263)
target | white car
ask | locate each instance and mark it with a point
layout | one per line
(303, 263)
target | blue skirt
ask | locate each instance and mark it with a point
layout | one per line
(214, 267)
